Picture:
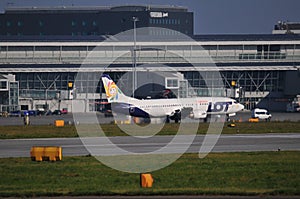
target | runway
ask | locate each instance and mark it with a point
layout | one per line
(226, 143)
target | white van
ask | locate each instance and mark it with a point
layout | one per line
(262, 114)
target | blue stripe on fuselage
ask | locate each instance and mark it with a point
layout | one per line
(128, 109)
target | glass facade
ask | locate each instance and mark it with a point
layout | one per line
(9, 96)
(44, 80)
(35, 84)
(256, 81)
(42, 85)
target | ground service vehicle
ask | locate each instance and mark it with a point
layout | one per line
(64, 111)
(261, 114)
(56, 112)
(294, 106)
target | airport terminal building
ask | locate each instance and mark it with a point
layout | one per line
(45, 48)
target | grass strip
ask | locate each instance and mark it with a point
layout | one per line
(255, 173)
(47, 131)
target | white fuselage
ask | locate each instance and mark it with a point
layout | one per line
(164, 107)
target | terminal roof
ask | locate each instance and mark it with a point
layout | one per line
(93, 9)
(204, 38)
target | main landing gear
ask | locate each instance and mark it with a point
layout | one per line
(176, 117)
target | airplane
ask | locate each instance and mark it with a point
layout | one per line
(171, 108)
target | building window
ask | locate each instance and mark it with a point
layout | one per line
(8, 23)
(73, 23)
(94, 23)
(19, 23)
(83, 23)
(41, 23)
(172, 83)
(3, 85)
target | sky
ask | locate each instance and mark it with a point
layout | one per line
(210, 16)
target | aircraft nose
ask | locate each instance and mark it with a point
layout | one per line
(241, 107)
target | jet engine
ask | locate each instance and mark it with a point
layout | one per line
(198, 114)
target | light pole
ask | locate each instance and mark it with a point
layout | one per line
(134, 75)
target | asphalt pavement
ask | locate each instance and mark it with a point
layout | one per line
(109, 146)
(90, 118)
